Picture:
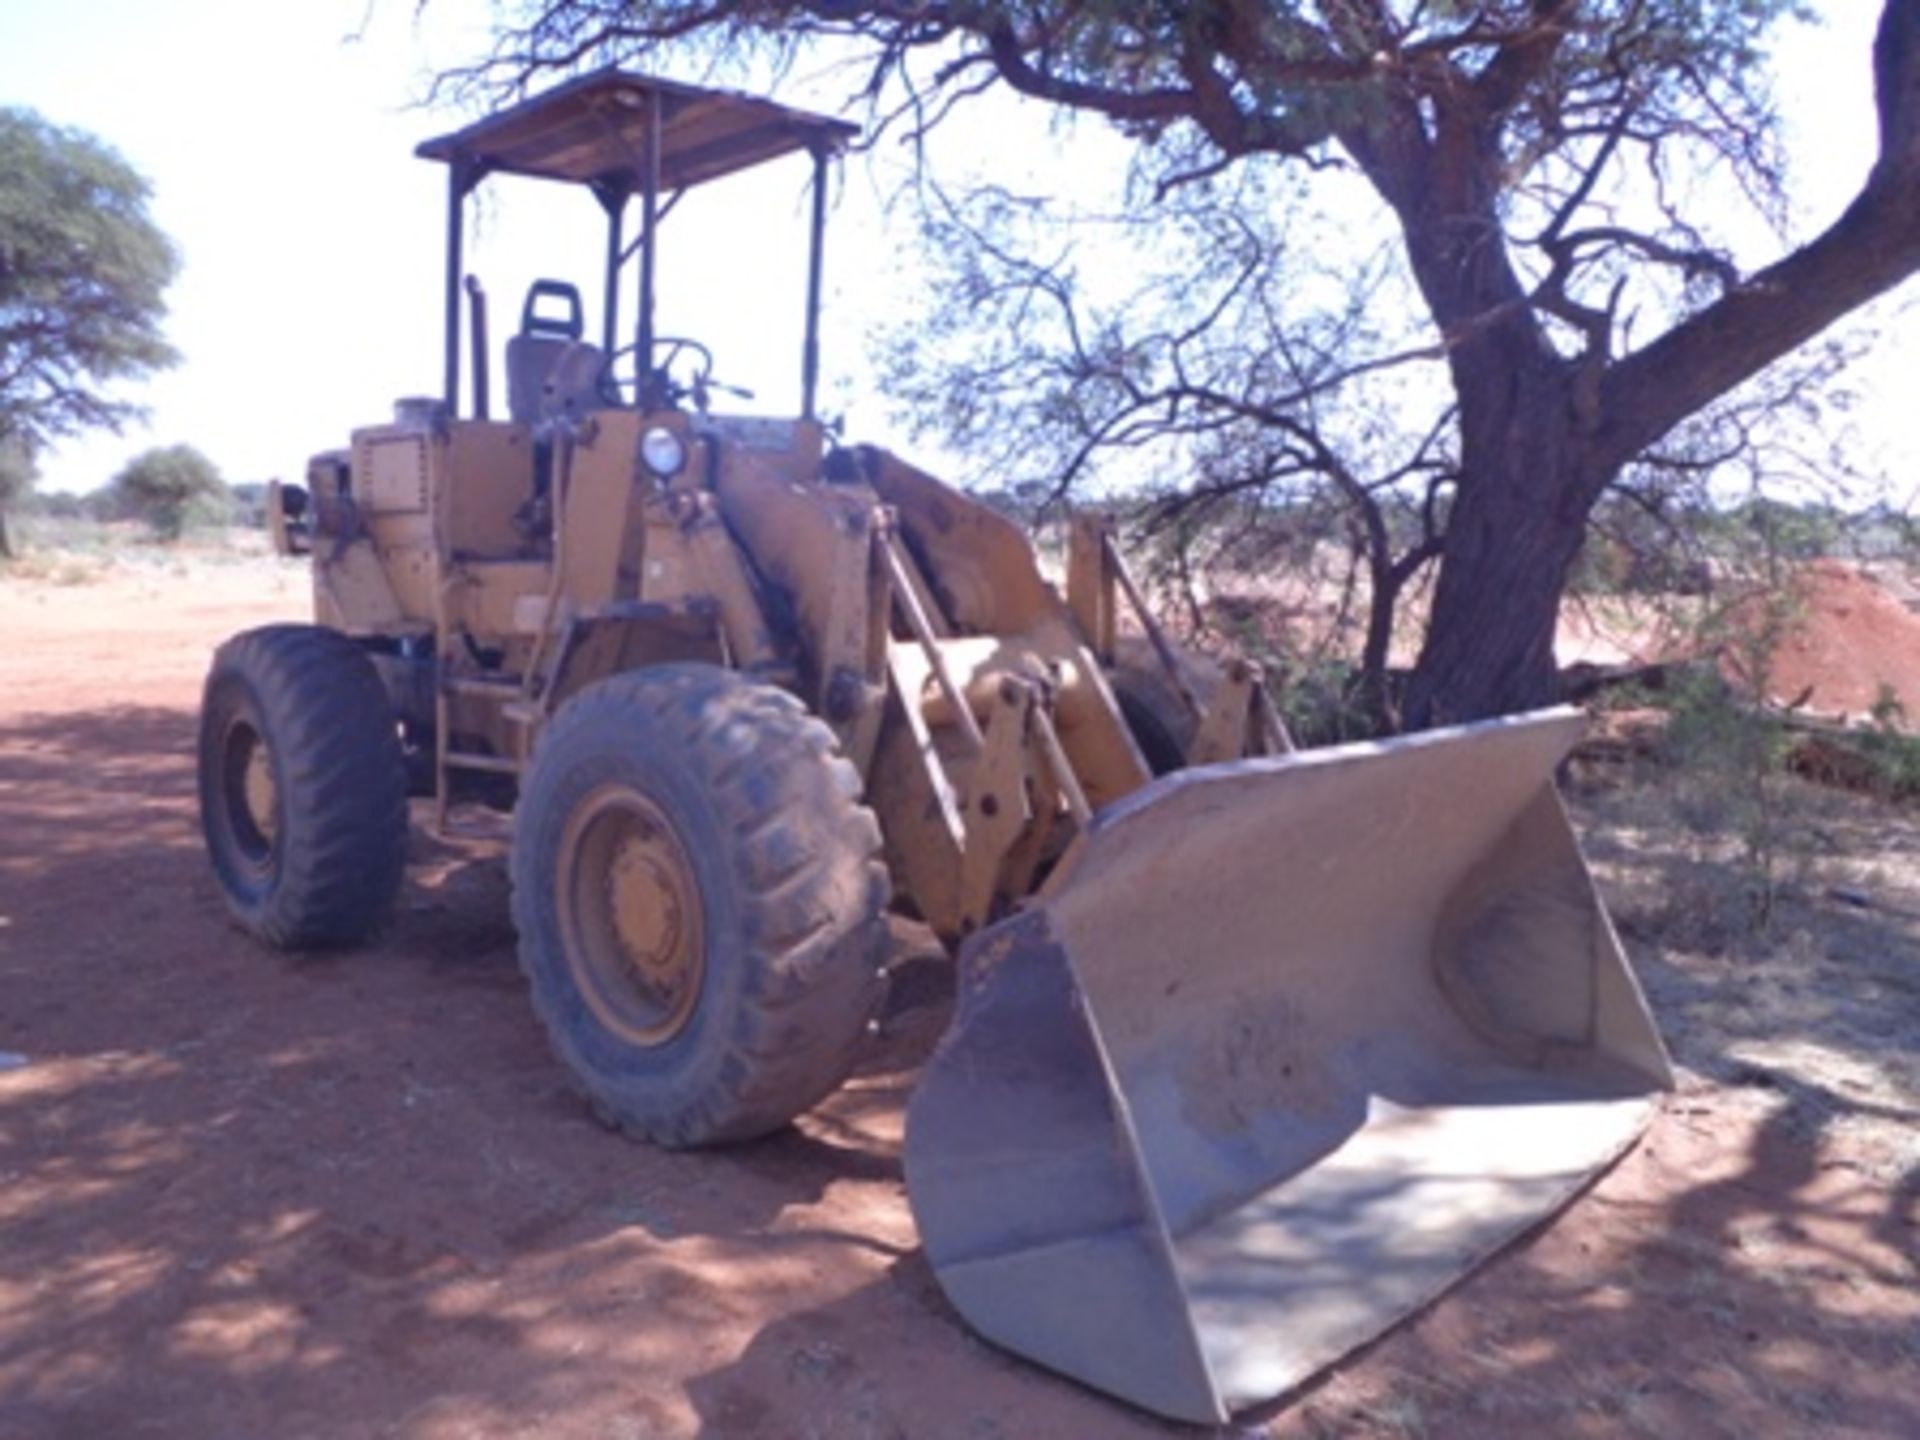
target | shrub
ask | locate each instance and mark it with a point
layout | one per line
(168, 486)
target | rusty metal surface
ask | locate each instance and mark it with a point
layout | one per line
(1027, 1188)
(1282, 1051)
(595, 127)
(631, 921)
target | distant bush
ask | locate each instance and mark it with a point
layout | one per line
(250, 503)
(170, 487)
(60, 505)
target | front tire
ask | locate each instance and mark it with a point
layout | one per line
(700, 901)
(302, 790)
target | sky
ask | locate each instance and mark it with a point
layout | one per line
(278, 139)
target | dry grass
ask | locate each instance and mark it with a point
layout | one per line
(1822, 997)
(68, 552)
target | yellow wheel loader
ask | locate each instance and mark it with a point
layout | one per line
(1254, 1052)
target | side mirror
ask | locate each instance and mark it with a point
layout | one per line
(287, 519)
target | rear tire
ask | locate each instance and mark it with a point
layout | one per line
(1158, 719)
(302, 790)
(700, 901)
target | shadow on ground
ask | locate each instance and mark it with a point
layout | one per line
(354, 1194)
(349, 1193)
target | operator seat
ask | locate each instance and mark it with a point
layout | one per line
(551, 371)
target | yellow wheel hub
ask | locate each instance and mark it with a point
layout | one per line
(259, 792)
(249, 800)
(630, 915)
(647, 895)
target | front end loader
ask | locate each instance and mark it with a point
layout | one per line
(1253, 1052)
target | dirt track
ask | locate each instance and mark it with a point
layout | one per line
(355, 1197)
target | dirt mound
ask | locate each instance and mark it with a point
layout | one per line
(1849, 638)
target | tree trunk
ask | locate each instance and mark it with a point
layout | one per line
(1532, 461)
(6, 545)
(1496, 606)
(1517, 525)
(1373, 691)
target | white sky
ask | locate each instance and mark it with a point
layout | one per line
(280, 155)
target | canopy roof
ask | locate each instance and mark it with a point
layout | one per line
(594, 128)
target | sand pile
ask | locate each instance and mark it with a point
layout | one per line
(1849, 637)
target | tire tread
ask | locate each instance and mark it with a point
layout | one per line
(329, 725)
(812, 972)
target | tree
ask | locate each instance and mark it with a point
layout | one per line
(1534, 156)
(249, 499)
(162, 486)
(82, 274)
(17, 474)
(1224, 361)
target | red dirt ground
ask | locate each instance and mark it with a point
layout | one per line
(353, 1196)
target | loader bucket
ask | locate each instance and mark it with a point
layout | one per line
(1284, 1049)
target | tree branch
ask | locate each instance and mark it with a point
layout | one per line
(1874, 245)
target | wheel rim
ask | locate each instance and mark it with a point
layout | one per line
(250, 793)
(631, 920)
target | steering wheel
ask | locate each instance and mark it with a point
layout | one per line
(655, 386)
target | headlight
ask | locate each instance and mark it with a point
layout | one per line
(662, 452)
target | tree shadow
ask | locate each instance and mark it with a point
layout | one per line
(1721, 1282)
(891, 1361)
(1751, 1265)
(356, 1195)
(351, 1193)
(1826, 974)
(1750, 1268)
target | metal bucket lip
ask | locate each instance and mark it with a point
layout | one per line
(1570, 717)
(1125, 811)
